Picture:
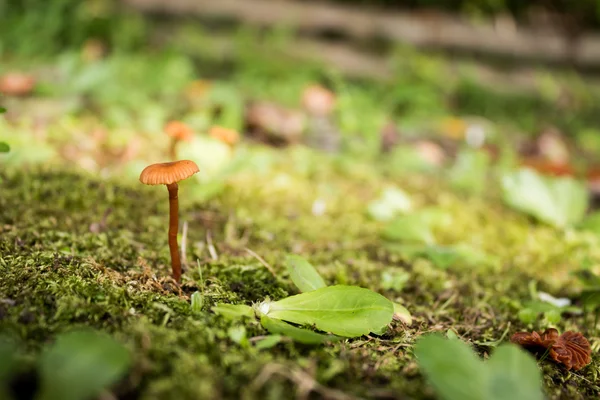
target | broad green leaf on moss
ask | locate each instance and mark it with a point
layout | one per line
(457, 373)
(297, 334)
(452, 368)
(560, 202)
(79, 365)
(303, 274)
(342, 310)
(233, 311)
(393, 201)
(513, 374)
(4, 147)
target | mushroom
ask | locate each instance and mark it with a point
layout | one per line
(318, 100)
(225, 135)
(178, 131)
(169, 174)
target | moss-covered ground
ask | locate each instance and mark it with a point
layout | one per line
(84, 244)
(58, 274)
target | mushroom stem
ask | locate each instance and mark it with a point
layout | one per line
(173, 149)
(173, 227)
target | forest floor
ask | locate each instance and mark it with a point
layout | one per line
(84, 244)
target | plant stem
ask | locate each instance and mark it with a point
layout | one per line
(173, 226)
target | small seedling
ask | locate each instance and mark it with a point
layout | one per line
(347, 311)
(342, 310)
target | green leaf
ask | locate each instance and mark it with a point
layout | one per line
(513, 374)
(268, 342)
(527, 316)
(197, 302)
(9, 364)
(2, 110)
(297, 334)
(591, 298)
(342, 310)
(79, 365)
(4, 147)
(560, 202)
(233, 311)
(445, 256)
(452, 368)
(393, 279)
(402, 314)
(237, 334)
(469, 172)
(303, 274)
(458, 374)
(413, 228)
(392, 202)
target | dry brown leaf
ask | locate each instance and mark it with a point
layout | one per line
(16, 84)
(571, 349)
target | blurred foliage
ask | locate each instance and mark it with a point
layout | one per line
(59, 24)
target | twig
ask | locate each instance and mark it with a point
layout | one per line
(261, 260)
(304, 382)
(211, 248)
(184, 243)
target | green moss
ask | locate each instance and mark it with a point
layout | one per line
(57, 274)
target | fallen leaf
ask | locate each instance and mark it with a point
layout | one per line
(274, 124)
(16, 84)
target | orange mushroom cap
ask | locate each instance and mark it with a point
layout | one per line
(178, 130)
(168, 173)
(318, 100)
(226, 135)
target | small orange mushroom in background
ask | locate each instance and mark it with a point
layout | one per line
(16, 84)
(169, 174)
(318, 100)
(225, 135)
(177, 131)
(198, 90)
